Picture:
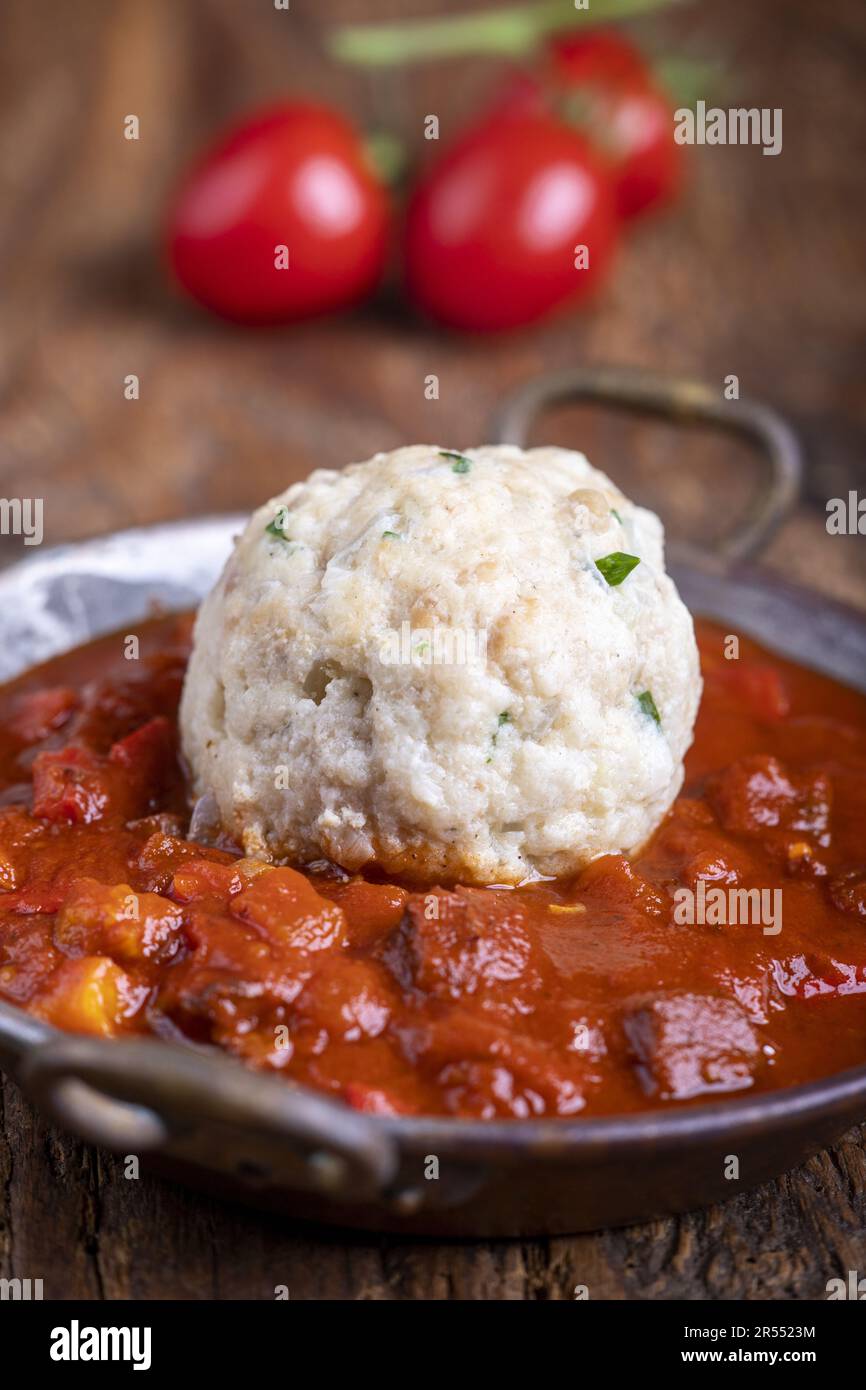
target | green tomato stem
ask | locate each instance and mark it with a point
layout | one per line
(510, 31)
(386, 153)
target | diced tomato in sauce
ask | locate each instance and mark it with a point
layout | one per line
(129, 926)
(72, 784)
(91, 994)
(593, 996)
(758, 689)
(37, 715)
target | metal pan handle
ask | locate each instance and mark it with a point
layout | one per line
(152, 1098)
(681, 400)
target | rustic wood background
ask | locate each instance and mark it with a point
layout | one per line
(758, 272)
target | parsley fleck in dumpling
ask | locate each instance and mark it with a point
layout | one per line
(455, 664)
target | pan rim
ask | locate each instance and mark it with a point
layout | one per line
(548, 1136)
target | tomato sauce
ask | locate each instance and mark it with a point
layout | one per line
(592, 996)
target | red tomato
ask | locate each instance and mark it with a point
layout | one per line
(293, 176)
(602, 83)
(492, 229)
(601, 55)
(759, 688)
(631, 116)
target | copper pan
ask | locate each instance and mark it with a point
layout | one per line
(197, 1115)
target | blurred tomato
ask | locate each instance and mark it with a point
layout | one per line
(293, 176)
(601, 83)
(493, 227)
(628, 113)
(601, 56)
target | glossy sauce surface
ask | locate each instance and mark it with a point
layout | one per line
(587, 997)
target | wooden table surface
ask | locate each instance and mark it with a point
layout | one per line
(758, 273)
